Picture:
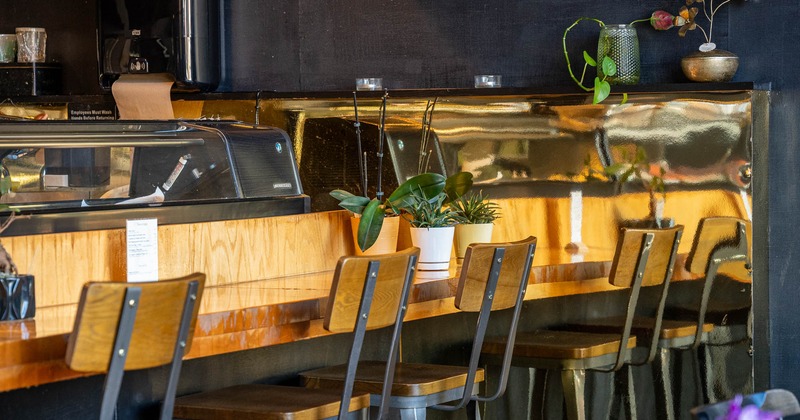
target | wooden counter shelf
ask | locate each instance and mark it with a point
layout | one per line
(268, 279)
(259, 313)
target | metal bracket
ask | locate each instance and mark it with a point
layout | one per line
(122, 342)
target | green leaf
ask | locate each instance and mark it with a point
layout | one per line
(354, 203)
(627, 174)
(601, 90)
(369, 226)
(340, 194)
(615, 168)
(609, 66)
(457, 185)
(589, 60)
(430, 184)
(624, 98)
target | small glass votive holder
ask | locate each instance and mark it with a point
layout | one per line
(31, 45)
(8, 48)
(488, 81)
(369, 83)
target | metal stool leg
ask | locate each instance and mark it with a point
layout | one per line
(412, 414)
(662, 379)
(573, 382)
(630, 392)
(473, 410)
(706, 374)
(537, 402)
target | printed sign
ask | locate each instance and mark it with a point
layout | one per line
(142, 253)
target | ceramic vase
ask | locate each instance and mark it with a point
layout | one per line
(387, 239)
(470, 234)
(435, 246)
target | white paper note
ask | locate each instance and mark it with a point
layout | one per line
(142, 240)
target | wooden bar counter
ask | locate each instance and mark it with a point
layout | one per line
(268, 278)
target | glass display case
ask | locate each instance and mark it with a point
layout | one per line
(82, 175)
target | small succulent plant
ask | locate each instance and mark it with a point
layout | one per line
(475, 208)
(431, 212)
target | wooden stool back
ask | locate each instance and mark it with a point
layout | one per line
(348, 287)
(476, 272)
(714, 232)
(660, 257)
(126, 326)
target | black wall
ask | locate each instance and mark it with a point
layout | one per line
(765, 34)
(312, 45)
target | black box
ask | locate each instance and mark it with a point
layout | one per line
(30, 79)
(17, 297)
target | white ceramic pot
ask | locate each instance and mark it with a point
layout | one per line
(387, 239)
(470, 234)
(435, 246)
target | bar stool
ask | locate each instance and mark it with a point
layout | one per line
(128, 326)
(368, 292)
(719, 242)
(493, 277)
(643, 257)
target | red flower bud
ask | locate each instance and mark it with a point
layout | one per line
(661, 20)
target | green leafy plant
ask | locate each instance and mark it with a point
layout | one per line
(424, 212)
(373, 211)
(601, 87)
(475, 208)
(637, 166)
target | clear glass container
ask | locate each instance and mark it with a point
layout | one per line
(31, 45)
(621, 44)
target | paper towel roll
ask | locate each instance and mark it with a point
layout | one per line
(144, 96)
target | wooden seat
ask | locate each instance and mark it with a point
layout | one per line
(643, 257)
(368, 292)
(493, 277)
(128, 326)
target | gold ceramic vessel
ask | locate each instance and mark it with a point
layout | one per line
(712, 66)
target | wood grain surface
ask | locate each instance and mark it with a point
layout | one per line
(155, 330)
(410, 379)
(476, 269)
(265, 402)
(629, 248)
(268, 279)
(348, 286)
(713, 232)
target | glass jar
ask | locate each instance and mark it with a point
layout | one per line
(31, 44)
(620, 43)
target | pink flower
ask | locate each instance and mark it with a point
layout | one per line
(661, 20)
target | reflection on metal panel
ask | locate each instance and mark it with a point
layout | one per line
(521, 145)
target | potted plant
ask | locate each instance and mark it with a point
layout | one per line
(373, 231)
(432, 228)
(708, 64)
(372, 213)
(617, 60)
(637, 166)
(475, 215)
